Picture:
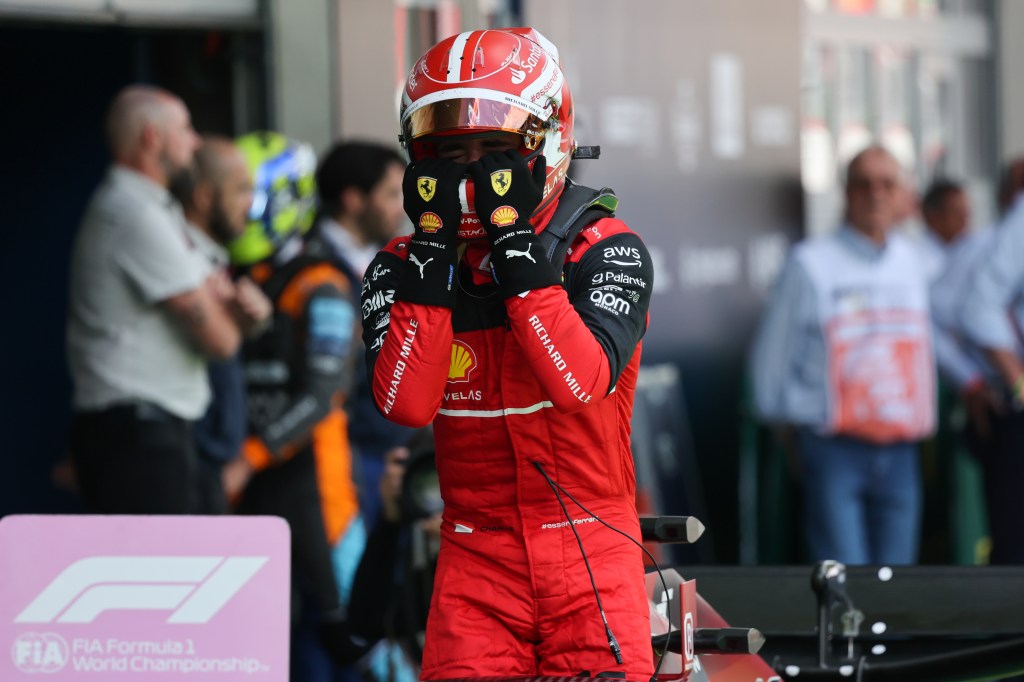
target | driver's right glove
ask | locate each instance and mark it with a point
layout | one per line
(431, 200)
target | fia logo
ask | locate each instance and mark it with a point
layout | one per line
(39, 652)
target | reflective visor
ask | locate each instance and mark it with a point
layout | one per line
(468, 114)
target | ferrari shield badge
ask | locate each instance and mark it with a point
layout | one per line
(426, 186)
(501, 180)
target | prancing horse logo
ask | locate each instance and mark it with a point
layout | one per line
(426, 187)
(501, 180)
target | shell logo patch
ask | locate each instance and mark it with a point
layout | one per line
(426, 186)
(503, 216)
(463, 362)
(501, 180)
(430, 222)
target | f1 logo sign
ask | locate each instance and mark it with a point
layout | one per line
(195, 587)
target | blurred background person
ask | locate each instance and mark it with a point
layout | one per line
(360, 189)
(909, 218)
(844, 355)
(216, 197)
(992, 314)
(296, 460)
(951, 251)
(143, 318)
(393, 584)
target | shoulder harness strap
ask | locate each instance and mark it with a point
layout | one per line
(578, 207)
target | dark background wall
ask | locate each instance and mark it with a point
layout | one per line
(55, 85)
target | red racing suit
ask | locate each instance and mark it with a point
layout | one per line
(545, 378)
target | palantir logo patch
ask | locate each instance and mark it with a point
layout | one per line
(195, 588)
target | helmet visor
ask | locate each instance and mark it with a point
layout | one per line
(469, 113)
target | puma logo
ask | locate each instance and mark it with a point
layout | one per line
(417, 263)
(512, 253)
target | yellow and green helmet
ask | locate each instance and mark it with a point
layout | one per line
(284, 194)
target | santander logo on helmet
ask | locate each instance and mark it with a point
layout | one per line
(505, 80)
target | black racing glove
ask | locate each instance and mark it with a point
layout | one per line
(506, 195)
(431, 200)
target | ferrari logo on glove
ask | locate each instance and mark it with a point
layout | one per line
(426, 186)
(501, 180)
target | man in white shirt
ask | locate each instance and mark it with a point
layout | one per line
(844, 354)
(143, 318)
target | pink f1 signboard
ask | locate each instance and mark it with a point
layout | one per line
(96, 598)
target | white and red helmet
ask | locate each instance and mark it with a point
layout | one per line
(505, 79)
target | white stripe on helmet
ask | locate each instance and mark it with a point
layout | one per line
(454, 57)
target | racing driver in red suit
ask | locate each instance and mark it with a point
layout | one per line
(526, 368)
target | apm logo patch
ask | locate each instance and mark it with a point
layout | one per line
(193, 588)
